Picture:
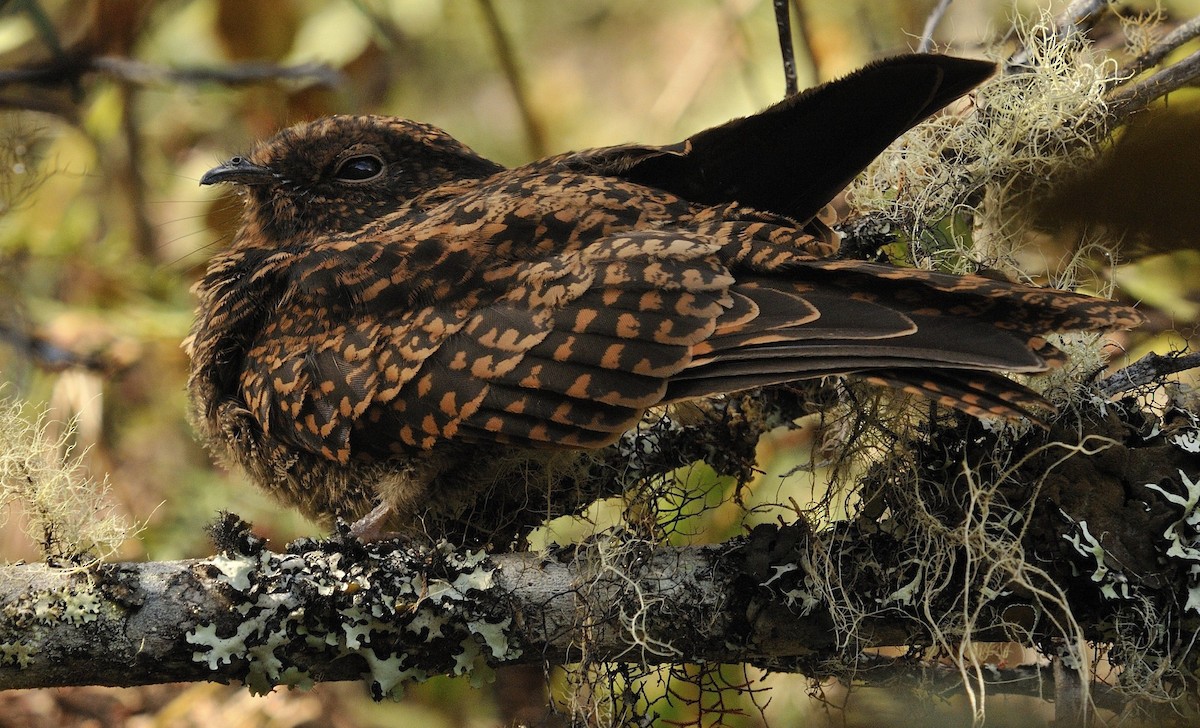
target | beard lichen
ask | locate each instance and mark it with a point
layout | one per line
(959, 189)
(67, 512)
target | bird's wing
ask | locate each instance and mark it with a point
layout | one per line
(792, 158)
(572, 348)
(311, 380)
(612, 323)
(570, 352)
(942, 336)
(650, 317)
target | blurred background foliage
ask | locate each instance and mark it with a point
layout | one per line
(103, 230)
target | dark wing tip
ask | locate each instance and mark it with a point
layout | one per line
(795, 156)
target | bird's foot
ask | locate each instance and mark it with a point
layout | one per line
(369, 528)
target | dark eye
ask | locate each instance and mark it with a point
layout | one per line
(360, 168)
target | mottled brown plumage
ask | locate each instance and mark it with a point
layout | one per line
(394, 301)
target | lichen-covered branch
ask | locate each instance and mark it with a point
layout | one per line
(391, 613)
(336, 610)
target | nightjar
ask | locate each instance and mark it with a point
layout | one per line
(394, 305)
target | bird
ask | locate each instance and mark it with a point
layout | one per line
(394, 304)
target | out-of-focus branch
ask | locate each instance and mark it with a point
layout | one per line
(73, 66)
(535, 134)
(931, 24)
(49, 356)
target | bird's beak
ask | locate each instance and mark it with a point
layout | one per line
(238, 170)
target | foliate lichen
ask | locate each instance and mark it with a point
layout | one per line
(408, 613)
(36, 613)
(1113, 583)
(1187, 436)
(1183, 535)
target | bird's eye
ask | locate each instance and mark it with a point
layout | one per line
(359, 169)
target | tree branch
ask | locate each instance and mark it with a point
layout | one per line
(334, 610)
(1140, 95)
(70, 67)
(535, 134)
(1149, 370)
(931, 24)
(391, 612)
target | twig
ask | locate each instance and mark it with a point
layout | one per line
(1147, 370)
(49, 356)
(1143, 93)
(535, 135)
(237, 74)
(931, 24)
(1161, 49)
(130, 173)
(1081, 15)
(783, 22)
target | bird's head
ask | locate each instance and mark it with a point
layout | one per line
(335, 174)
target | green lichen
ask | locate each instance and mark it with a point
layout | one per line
(1112, 582)
(37, 612)
(68, 514)
(408, 613)
(1183, 536)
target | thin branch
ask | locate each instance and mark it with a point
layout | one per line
(1160, 50)
(783, 22)
(72, 67)
(236, 74)
(130, 174)
(931, 24)
(50, 357)
(1141, 94)
(1081, 15)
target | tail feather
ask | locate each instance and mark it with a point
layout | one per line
(979, 394)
